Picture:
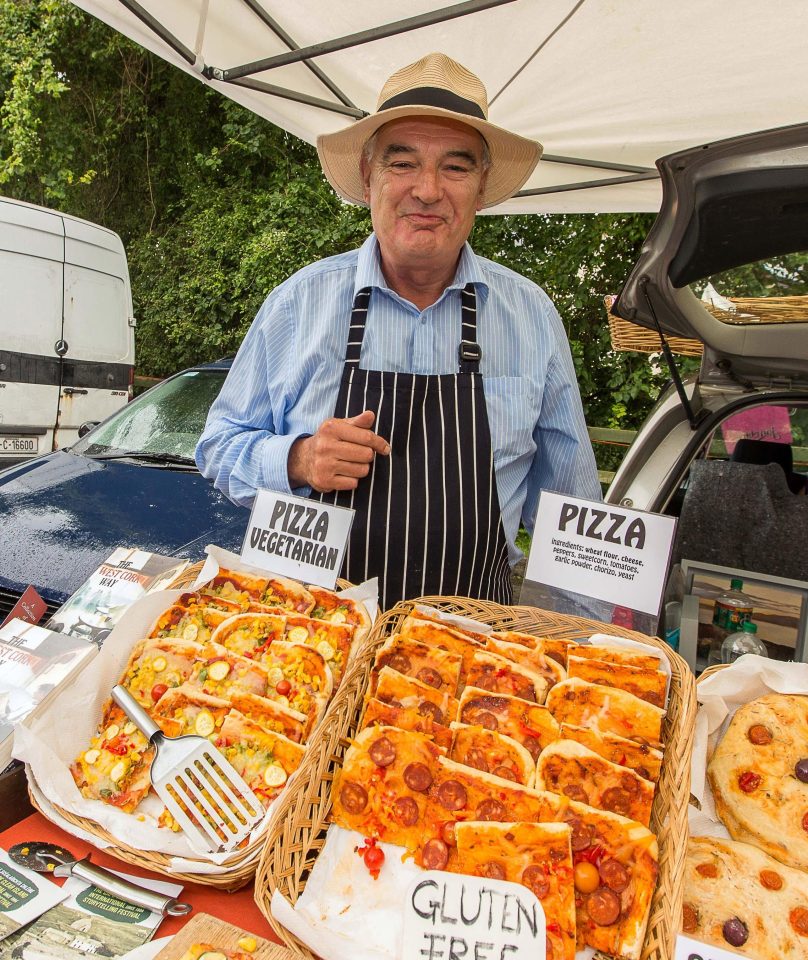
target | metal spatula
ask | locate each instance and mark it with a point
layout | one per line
(209, 800)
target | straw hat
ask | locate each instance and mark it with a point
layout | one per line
(435, 86)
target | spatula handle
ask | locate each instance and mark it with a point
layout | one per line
(134, 711)
(118, 887)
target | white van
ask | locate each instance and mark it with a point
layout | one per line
(67, 346)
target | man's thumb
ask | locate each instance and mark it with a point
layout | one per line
(364, 419)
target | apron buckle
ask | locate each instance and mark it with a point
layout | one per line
(469, 352)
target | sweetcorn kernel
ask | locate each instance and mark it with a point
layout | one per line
(247, 944)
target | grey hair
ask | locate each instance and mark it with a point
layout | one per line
(369, 148)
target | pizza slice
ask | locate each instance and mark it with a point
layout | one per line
(236, 585)
(602, 651)
(207, 951)
(435, 667)
(339, 609)
(274, 717)
(438, 635)
(463, 626)
(606, 709)
(156, 665)
(530, 724)
(648, 685)
(554, 647)
(530, 657)
(115, 767)
(615, 870)
(496, 674)
(298, 677)
(492, 752)
(286, 593)
(400, 691)
(405, 718)
(537, 855)
(459, 793)
(382, 789)
(638, 757)
(250, 634)
(190, 620)
(187, 710)
(572, 770)
(334, 641)
(219, 672)
(265, 760)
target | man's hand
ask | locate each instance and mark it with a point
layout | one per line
(337, 456)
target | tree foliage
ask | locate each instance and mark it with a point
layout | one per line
(216, 206)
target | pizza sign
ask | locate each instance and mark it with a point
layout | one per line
(296, 537)
(450, 916)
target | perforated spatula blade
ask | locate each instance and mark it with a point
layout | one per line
(209, 800)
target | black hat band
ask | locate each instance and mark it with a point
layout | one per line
(434, 97)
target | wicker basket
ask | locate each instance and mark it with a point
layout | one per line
(244, 863)
(298, 826)
(626, 335)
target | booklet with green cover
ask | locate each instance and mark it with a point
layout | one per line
(24, 895)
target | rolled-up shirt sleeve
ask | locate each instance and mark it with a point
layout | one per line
(244, 446)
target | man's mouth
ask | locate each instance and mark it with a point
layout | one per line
(424, 219)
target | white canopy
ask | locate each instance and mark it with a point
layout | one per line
(607, 86)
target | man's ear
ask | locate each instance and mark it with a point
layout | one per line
(483, 181)
(364, 169)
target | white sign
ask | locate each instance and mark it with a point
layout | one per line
(296, 537)
(449, 916)
(687, 949)
(602, 551)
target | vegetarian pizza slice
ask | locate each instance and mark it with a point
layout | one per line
(537, 855)
(339, 609)
(298, 677)
(192, 618)
(333, 641)
(274, 717)
(250, 634)
(156, 665)
(219, 672)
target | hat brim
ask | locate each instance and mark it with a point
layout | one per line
(513, 158)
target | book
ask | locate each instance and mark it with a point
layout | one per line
(100, 602)
(24, 895)
(34, 664)
(89, 922)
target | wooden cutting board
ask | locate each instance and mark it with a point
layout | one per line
(203, 928)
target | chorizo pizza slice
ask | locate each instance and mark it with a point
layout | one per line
(400, 691)
(639, 757)
(405, 718)
(493, 753)
(649, 685)
(530, 657)
(431, 665)
(606, 709)
(530, 724)
(497, 674)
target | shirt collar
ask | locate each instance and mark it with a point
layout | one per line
(369, 271)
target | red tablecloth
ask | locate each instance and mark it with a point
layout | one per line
(237, 908)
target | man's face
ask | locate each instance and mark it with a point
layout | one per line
(424, 185)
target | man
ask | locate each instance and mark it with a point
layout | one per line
(429, 389)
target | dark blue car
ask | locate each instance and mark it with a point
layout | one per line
(130, 481)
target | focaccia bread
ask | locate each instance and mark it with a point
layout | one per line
(493, 753)
(755, 774)
(496, 674)
(616, 865)
(570, 769)
(431, 665)
(649, 685)
(607, 709)
(639, 757)
(530, 724)
(738, 898)
(405, 718)
(400, 691)
(538, 856)
(381, 790)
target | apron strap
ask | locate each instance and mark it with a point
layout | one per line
(469, 352)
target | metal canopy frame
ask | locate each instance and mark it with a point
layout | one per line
(243, 76)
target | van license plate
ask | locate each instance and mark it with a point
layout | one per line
(19, 444)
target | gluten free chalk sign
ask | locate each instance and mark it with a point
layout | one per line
(448, 916)
(296, 537)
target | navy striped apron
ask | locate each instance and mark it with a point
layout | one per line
(427, 515)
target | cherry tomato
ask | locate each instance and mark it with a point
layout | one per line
(587, 879)
(748, 781)
(374, 858)
(283, 688)
(158, 690)
(117, 746)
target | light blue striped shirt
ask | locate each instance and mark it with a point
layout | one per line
(285, 378)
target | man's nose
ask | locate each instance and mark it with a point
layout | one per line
(427, 186)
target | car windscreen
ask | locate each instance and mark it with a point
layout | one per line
(166, 420)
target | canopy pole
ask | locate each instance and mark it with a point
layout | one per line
(145, 17)
(587, 184)
(285, 94)
(356, 39)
